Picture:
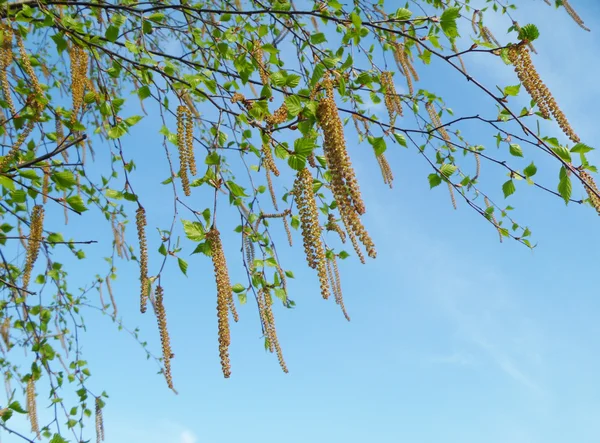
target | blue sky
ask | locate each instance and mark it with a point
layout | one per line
(454, 337)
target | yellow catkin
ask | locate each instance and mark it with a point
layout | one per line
(33, 80)
(332, 225)
(34, 242)
(32, 407)
(404, 66)
(268, 161)
(487, 36)
(270, 327)
(271, 189)
(182, 112)
(452, 197)
(475, 20)
(343, 182)
(165, 341)
(437, 123)
(288, 232)
(140, 221)
(493, 218)
(278, 117)
(258, 55)
(311, 229)
(189, 142)
(6, 58)
(343, 179)
(392, 100)
(112, 297)
(79, 67)
(224, 295)
(591, 189)
(386, 170)
(99, 421)
(5, 332)
(574, 14)
(462, 63)
(46, 183)
(248, 246)
(14, 150)
(477, 166)
(520, 57)
(336, 287)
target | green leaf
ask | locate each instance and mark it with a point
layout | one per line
(515, 150)
(447, 170)
(58, 439)
(16, 406)
(76, 202)
(133, 120)
(7, 183)
(508, 188)
(237, 288)
(378, 144)
(563, 153)
(402, 14)
(564, 185)
(144, 92)
(434, 180)
(317, 38)
(182, 265)
(112, 33)
(304, 146)
(512, 90)
(448, 22)
(400, 139)
(294, 106)
(297, 162)
(530, 170)
(581, 148)
(529, 32)
(193, 230)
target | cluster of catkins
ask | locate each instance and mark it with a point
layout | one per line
(520, 57)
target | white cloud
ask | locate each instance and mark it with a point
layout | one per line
(188, 437)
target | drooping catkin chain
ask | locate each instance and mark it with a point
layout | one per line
(391, 98)
(99, 420)
(487, 36)
(165, 341)
(336, 286)
(288, 233)
(520, 57)
(79, 67)
(14, 150)
(6, 58)
(258, 55)
(279, 116)
(386, 170)
(30, 71)
(271, 188)
(437, 122)
(309, 223)
(343, 179)
(268, 161)
(32, 407)
(34, 242)
(574, 14)
(140, 221)
(405, 66)
(344, 186)
(332, 225)
(224, 295)
(182, 147)
(269, 325)
(45, 183)
(189, 142)
(591, 189)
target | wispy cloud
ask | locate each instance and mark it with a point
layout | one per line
(188, 437)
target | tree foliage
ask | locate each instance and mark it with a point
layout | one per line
(258, 107)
